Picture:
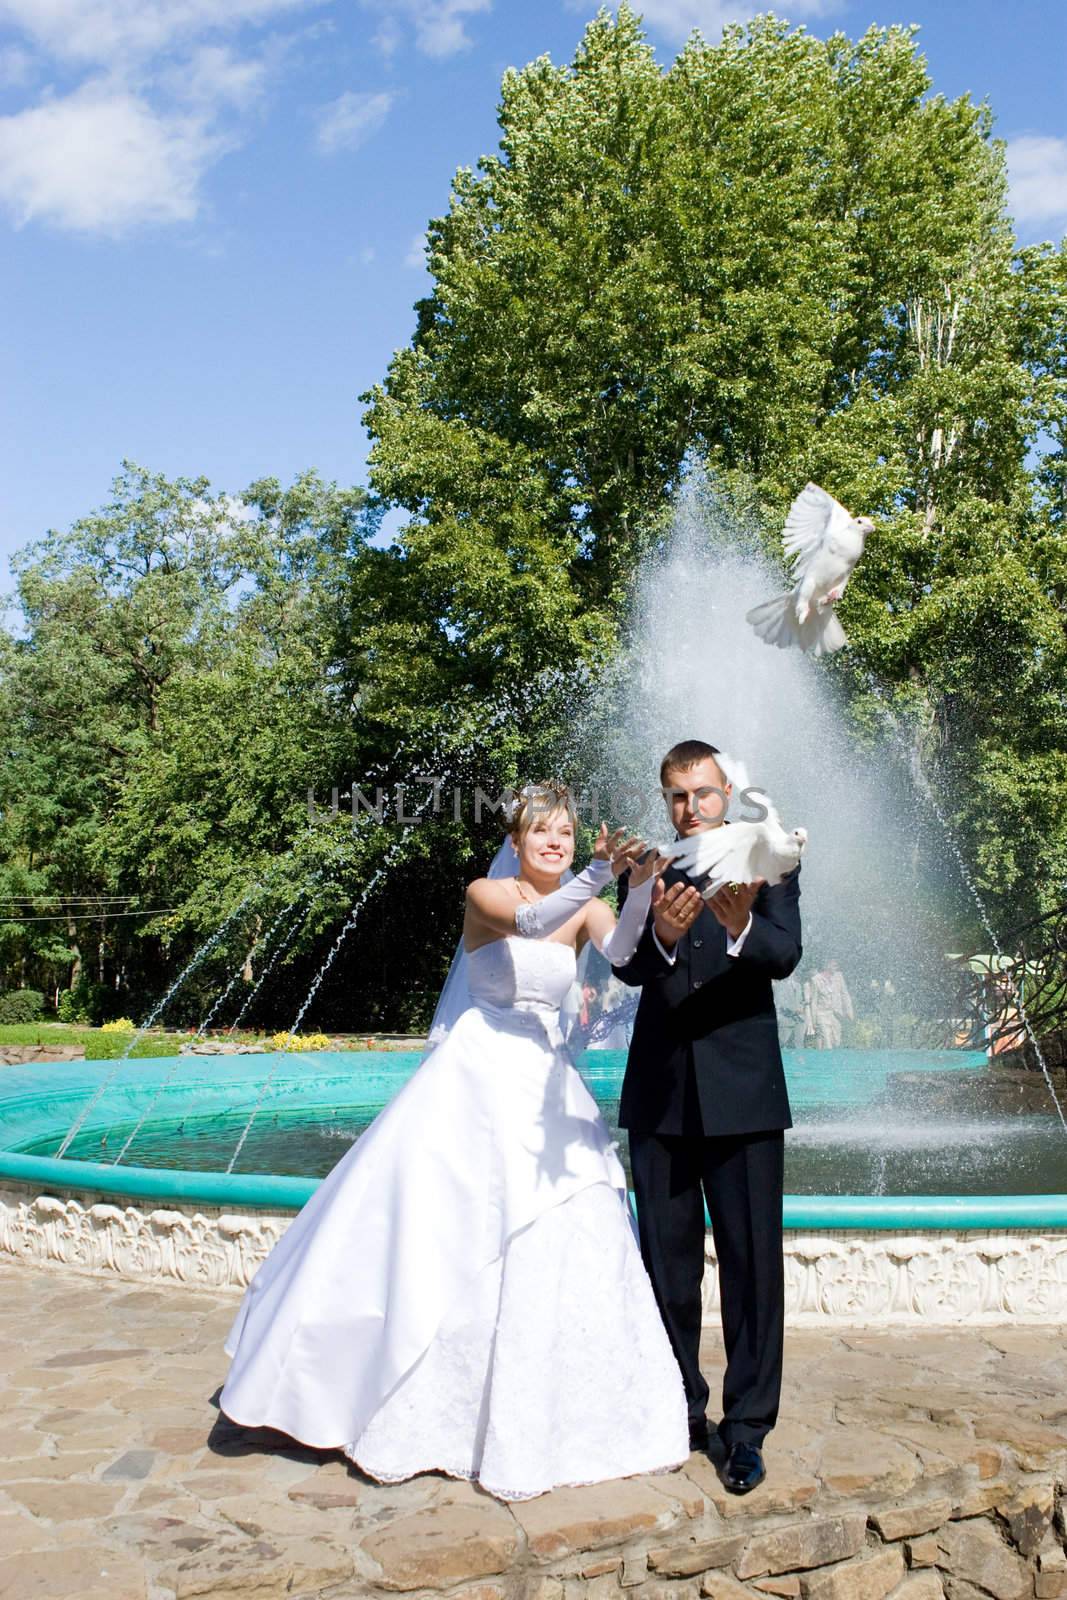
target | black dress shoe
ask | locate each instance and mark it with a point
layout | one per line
(698, 1433)
(743, 1468)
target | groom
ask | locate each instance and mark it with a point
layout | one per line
(704, 1101)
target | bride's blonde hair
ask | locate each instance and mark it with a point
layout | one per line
(535, 800)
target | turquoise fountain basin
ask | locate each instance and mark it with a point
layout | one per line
(316, 1104)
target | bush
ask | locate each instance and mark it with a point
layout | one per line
(120, 1025)
(83, 1003)
(864, 1033)
(68, 1010)
(21, 1005)
(300, 1041)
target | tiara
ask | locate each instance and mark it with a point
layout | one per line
(550, 794)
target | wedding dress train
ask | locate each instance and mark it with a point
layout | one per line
(464, 1292)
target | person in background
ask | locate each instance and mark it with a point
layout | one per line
(794, 1018)
(829, 1002)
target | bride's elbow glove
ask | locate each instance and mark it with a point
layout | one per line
(621, 944)
(536, 922)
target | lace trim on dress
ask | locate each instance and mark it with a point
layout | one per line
(470, 1475)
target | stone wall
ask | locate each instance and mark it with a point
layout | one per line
(977, 1531)
(833, 1278)
(907, 1464)
(18, 1055)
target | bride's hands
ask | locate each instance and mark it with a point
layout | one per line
(607, 845)
(651, 866)
(623, 854)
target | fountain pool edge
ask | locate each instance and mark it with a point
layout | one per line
(873, 1261)
(287, 1194)
(850, 1260)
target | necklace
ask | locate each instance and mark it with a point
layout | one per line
(520, 888)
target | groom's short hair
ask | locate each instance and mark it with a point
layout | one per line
(680, 757)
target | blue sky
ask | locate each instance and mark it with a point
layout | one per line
(212, 210)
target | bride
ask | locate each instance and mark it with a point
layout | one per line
(464, 1292)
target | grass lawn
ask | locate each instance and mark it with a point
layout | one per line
(100, 1046)
(92, 1042)
(47, 1033)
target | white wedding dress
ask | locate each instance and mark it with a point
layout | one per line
(464, 1292)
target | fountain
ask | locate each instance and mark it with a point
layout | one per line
(894, 1214)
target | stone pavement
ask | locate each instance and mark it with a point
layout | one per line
(908, 1464)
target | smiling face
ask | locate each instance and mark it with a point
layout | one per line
(697, 797)
(546, 847)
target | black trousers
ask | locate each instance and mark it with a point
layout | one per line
(741, 1175)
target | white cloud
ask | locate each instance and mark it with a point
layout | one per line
(677, 19)
(214, 77)
(16, 67)
(161, 98)
(350, 120)
(416, 256)
(109, 30)
(236, 510)
(101, 159)
(436, 27)
(1037, 172)
(227, 510)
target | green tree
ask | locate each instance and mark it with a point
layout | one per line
(169, 704)
(792, 257)
(193, 666)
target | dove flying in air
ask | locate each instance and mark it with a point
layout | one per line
(825, 542)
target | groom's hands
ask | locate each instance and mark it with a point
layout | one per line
(732, 904)
(674, 910)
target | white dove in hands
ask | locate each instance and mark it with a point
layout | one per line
(825, 542)
(740, 853)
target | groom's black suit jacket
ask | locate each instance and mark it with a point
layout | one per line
(705, 1058)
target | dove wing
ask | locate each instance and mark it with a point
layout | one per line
(761, 798)
(734, 771)
(815, 520)
(724, 853)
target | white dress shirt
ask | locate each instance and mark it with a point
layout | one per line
(733, 946)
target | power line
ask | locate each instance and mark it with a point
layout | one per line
(104, 902)
(90, 916)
